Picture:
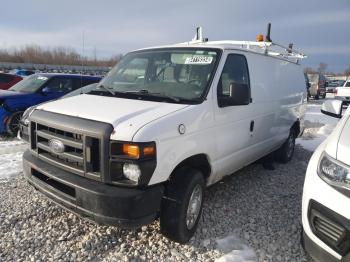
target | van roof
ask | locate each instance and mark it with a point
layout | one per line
(266, 48)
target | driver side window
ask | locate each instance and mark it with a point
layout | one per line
(60, 85)
(235, 72)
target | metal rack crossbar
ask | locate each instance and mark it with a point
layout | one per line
(266, 47)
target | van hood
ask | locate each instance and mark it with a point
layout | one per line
(127, 116)
(343, 150)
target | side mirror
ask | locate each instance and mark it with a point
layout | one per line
(239, 94)
(332, 108)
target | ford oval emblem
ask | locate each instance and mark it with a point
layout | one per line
(56, 146)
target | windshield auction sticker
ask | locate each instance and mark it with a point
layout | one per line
(199, 60)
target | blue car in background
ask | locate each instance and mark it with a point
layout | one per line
(21, 72)
(33, 90)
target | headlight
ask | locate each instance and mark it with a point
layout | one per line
(334, 172)
(26, 114)
(132, 171)
(132, 164)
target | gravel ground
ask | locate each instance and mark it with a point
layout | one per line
(261, 207)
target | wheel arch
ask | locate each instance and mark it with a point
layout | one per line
(198, 161)
(296, 127)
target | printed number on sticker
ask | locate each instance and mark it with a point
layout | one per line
(199, 60)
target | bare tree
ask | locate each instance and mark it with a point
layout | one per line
(35, 54)
(322, 68)
(347, 71)
(309, 70)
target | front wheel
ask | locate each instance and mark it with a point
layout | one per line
(12, 123)
(285, 153)
(182, 206)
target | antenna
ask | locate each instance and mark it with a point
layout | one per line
(82, 63)
(268, 38)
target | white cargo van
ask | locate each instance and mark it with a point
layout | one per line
(163, 124)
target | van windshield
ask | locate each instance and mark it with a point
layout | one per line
(174, 75)
(30, 84)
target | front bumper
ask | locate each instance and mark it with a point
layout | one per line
(315, 251)
(99, 202)
(332, 229)
(332, 212)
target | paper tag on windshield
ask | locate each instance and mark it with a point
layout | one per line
(199, 60)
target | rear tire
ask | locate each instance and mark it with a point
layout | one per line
(12, 123)
(285, 153)
(182, 206)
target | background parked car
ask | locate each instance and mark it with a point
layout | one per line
(331, 86)
(343, 92)
(34, 90)
(317, 85)
(8, 80)
(24, 122)
(326, 196)
(22, 72)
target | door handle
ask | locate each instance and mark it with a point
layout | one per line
(252, 126)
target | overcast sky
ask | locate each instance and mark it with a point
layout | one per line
(320, 28)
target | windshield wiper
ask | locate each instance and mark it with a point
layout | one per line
(106, 88)
(147, 93)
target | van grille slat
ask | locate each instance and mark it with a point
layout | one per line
(70, 156)
(64, 139)
(76, 145)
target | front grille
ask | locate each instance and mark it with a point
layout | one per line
(328, 228)
(81, 152)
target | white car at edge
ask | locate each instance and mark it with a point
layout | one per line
(326, 196)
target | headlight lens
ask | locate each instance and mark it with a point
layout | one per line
(334, 172)
(132, 171)
(26, 114)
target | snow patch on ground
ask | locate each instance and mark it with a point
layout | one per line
(235, 250)
(317, 127)
(11, 152)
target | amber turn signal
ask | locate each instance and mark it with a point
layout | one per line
(148, 151)
(132, 151)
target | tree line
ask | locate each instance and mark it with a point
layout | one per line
(35, 54)
(322, 69)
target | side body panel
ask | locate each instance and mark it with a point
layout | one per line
(223, 134)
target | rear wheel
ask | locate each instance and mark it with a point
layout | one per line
(285, 153)
(182, 205)
(12, 123)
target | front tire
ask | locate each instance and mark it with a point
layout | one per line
(285, 153)
(182, 206)
(12, 123)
